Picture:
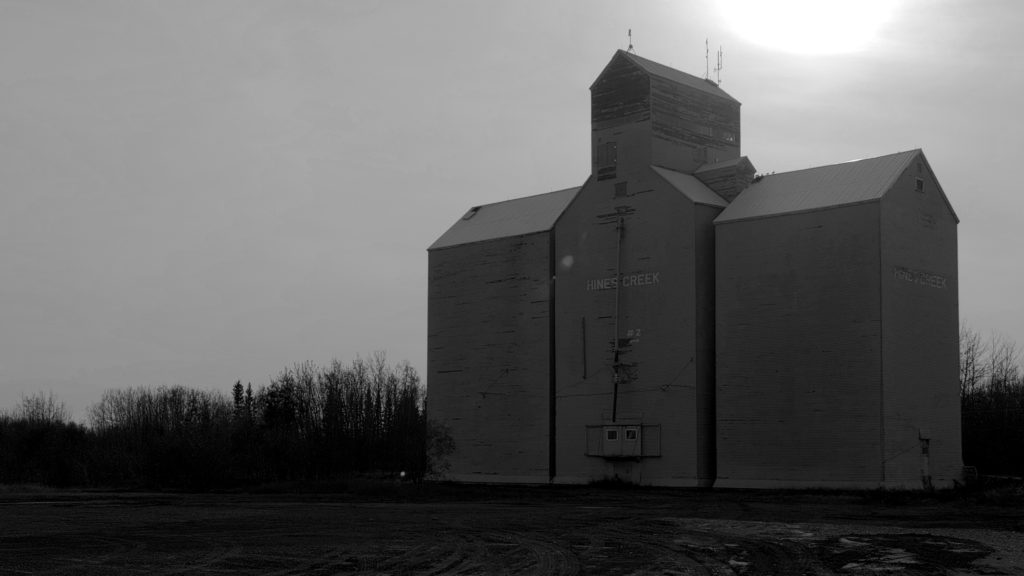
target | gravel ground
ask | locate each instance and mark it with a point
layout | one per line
(475, 530)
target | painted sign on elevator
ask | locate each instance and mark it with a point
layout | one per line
(625, 280)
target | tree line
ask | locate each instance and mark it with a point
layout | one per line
(992, 403)
(320, 423)
(309, 423)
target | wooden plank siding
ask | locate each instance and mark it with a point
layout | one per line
(489, 353)
(691, 127)
(666, 372)
(837, 341)
(657, 121)
(798, 350)
(621, 95)
(704, 353)
(728, 181)
(920, 332)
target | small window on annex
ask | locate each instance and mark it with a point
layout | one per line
(631, 433)
(607, 154)
(611, 434)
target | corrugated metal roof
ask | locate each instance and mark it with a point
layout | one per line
(508, 218)
(660, 70)
(692, 188)
(816, 188)
(724, 164)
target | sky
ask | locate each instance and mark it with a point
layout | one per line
(202, 191)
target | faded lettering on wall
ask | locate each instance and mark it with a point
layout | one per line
(919, 277)
(626, 280)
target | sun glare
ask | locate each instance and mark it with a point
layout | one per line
(811, 27)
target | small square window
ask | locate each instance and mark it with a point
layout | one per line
(611, 434)
(919, 185)
(630, 434)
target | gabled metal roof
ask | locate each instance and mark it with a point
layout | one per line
(692, 188)
(742, 160)
(508, 218)
(673, 75)
(817, 188)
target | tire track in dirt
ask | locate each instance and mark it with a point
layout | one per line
(508, 551)
(614, 535)
(666, 552)
(447, 556)
(206, 562)
(550, 558)
(92, 552)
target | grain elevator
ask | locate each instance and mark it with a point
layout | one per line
(679, 321)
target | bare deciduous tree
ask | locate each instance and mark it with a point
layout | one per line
(42, 408)
(992, 403)
(1004, 362)
(973, 365)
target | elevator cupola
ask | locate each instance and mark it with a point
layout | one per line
(644, 113)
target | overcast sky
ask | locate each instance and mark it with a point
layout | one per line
(196, 192)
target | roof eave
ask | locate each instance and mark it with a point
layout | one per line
(719, 220)
(657, 170)
(618, 54)
(435, 248)
(635, 61)
(942, 193)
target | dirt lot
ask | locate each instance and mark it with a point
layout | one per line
(480, 530)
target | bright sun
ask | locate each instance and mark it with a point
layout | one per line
(811, 27)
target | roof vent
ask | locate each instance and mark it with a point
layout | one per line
(472, 212)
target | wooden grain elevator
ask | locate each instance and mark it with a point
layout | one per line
(678, 321)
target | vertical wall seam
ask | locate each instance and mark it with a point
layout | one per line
(583, 344)
(699, 412)
(881, 345)
(712, 356)
(552, 347)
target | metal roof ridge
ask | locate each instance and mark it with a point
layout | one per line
(527, 197)
(647, 62)
(507, 218)
(719, 220)
(707, 167)
(820, 187)
(834, 164)
(666, 72)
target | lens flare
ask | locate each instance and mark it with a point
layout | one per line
(809, 27)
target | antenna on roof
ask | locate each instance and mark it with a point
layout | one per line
(718, 67)
(706, 61)
(631, 50)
